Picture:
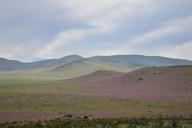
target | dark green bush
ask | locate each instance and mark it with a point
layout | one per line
(77, 122)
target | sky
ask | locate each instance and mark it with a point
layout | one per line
(43, 29)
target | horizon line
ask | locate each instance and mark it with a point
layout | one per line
(57, 58)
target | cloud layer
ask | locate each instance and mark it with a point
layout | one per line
(49, 28)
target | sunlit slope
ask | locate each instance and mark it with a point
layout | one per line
(75, 66)
(163, 83)
(147, 91)
(14, 65)
(75, 69)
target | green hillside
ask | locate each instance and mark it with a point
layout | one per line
(75, 66)
(73, 69)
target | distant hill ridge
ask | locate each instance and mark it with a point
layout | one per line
(75, 65)
(9, 65)
(145, 60)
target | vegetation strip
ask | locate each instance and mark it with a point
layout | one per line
(86, 122)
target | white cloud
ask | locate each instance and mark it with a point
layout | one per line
(62, 39)
(9, 52)
(90, 8)
(183, 50)
(19, 51)
(103, 15)
(73, 36)
(166, 29)
(153, 35)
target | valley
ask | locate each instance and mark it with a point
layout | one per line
(96, 88)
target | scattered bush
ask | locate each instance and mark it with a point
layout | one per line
(80, 122)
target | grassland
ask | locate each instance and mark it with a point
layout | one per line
(27, 94)
(69, 70)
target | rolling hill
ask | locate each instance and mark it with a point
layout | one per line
(148, 91)
(163, 83)
(144, 60)
(9, 65)
(13, 65)
(74, 65)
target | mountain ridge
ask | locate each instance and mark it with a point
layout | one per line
(75, 65)
(147, 60)
(76, 55)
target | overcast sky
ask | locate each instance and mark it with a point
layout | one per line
(38, 29)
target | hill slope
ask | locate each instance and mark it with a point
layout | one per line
(148, 91)
(74, 65)
(8, 65)
(145, 60)
(12, 65)
(134, 60)
(165, 83)
(69, 70)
